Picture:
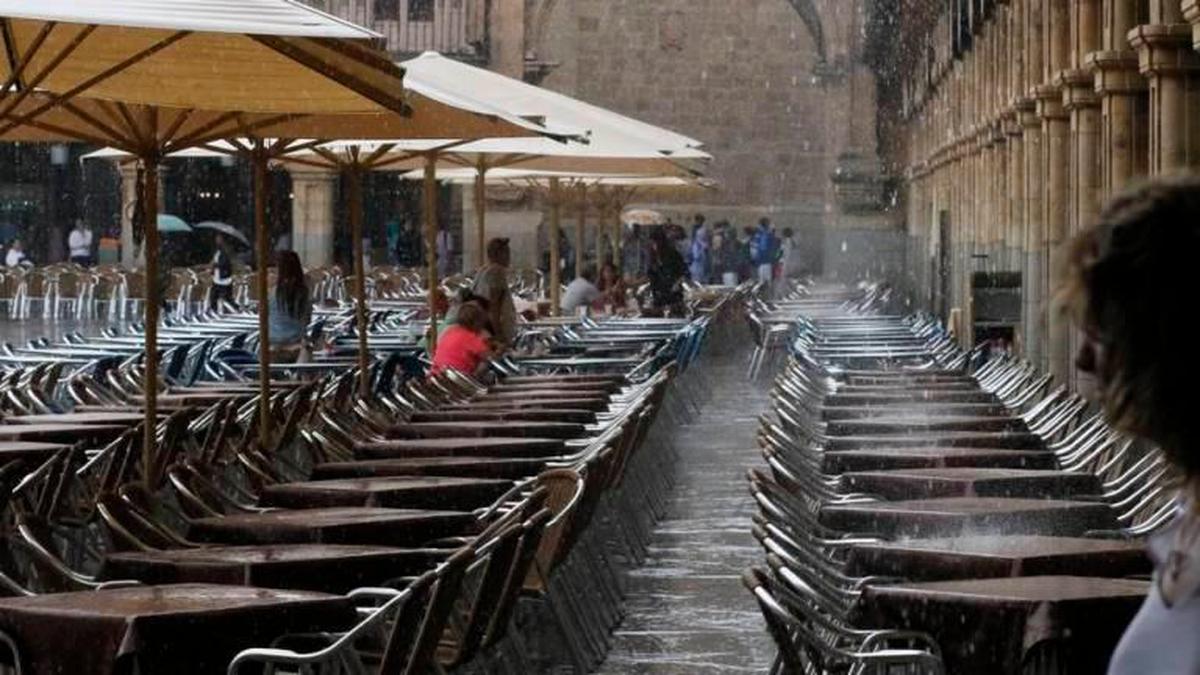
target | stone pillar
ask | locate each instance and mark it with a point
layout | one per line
(507, 37)
(1033, 281)
(1056, 132)
(1167, 60)
(313, 195)
(1124, 105)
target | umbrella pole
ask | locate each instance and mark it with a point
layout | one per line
(555, 262)
(581, 230)
(259, 158)
(615, 214)
(431, 233)
(481, 211)
(600, 227)
(354, 176)
(153, 298)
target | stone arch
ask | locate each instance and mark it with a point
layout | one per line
(812, 19)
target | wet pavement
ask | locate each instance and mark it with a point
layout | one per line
(687, 612)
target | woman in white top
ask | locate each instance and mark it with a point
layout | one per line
(16, 255)
(80, 244)
(1127, 277)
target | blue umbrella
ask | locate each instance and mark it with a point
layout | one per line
(172, 224)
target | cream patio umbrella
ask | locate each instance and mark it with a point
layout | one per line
(151, 77)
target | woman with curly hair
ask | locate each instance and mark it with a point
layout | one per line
(1132, 279)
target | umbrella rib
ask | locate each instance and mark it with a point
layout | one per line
(92, 81)
(120, 143)
(196, 137)
(177, 124)
(17, 64)
(88, 118)
(62, 55)
(124, 114)
(114, 116)
(313, 62)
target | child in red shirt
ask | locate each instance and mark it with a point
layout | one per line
(463, 346)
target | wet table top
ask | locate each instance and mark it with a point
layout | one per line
(847, 412)
(61, 433)
(990, 626)
(562, 430)
(917, 458)
(972, 482)
(329, 568)
(950, 439)
(592, 403)
(910, 397)
(540, 380)
(474, 467)
(921, 424)
(14, 451)
(370, 526)
(413, 492)
(1001, 556)
(964, 516)
(125, 418)
(449, 447)
(501, 415)
(180, 629)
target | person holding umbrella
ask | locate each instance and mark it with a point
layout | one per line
(222, 275)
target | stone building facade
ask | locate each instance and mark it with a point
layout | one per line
(1019, 119)
(777, 89)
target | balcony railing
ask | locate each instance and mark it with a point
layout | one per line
(457, 28)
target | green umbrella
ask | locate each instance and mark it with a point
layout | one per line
(172, 224)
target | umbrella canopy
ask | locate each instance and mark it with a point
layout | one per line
(643, 217)
(172, 224)
(251, 56)
(225, 229)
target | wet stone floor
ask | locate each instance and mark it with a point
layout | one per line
(687, 612)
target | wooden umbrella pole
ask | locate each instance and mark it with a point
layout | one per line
(431, 233)
(354, 176)
(615, 213)
(153, 300)
(261, 244)
(481, 212)
(555, 261)
(581, 229)
(601, 219)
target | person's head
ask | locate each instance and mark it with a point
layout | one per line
(17, 245)
(748, 231)
(787, 232)
(588, 273)
(472, 317)
(80, 225)
(441, 304)
(764, 223)
(698, 219)
(498, 252)
(219, 240)
(609, 274)
(1127, 277)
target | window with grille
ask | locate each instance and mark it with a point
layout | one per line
(387, 10)
(420, 10)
